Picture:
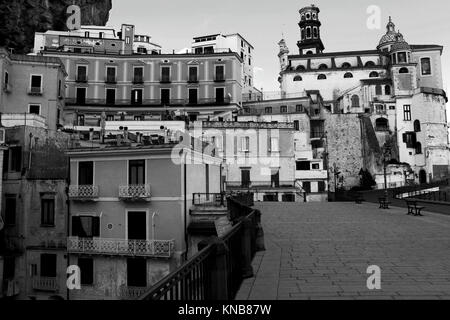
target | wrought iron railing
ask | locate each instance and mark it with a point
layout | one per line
(148, 102)
(145, 248)
(259, 184)
(137, 191)
(35, 91)
(217, 270)
(45, 283)
(131, 293)
(208, 199)
(83, 192)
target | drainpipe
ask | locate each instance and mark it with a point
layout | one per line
(186, 242)
(153, 225)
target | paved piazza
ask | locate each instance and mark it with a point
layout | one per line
(322, 251)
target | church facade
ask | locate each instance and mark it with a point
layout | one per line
(395, 91)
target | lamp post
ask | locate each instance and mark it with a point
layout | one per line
(386, 158)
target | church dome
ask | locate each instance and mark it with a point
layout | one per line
(390, 36)
(400, 43)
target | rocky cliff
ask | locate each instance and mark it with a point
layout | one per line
(20, 19)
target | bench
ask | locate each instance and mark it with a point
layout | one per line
(413, 208)
(384, 203)
(359, 198)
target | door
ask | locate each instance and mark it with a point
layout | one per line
(81, 96)
(136, 272)
(220, 95)
(86, 173)
(275, 179)
(422, 176)
(137, 225)
(111, 96)
(245, 178)
(192, 96)
(165, 96)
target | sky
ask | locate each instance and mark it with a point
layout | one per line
(173, 24)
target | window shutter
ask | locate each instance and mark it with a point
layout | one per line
(404, 137)
(95, 226)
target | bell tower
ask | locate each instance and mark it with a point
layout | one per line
(310, 42)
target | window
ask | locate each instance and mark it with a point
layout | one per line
(193, 95)
(315, 32)
(48, 265)
(425, 66)
(220, 73)
(323, 67)
(10, 209)
(299, 108)
(220, 95)
(193, 74)
(268, 110)
(379, 108)
(127, 40)
(321, 77)
(111, 96)
(298, 78)
(407, 112)
(307, 186)
(300, 68)
(80, 119)
(274, 147)
(165, 74)
(308, 32)
(391, 107)
(138, 118)
(402, 57)
(303, 165)
(138, 75)
(60, 88)
(355, 101)
(303, 33)
(34, 109)
(136, 172)
(369, 64)
(418, 148)
(85, 226)
(348, 75)
(86, 34)
(373, 74)
(381, 124)
(346, 65)
(249, 61)
(378, 90)
(283, 109)
(101, 35)
(416, 126)
(36, 83)
(165, 96)
(81, 74)
(275, 179)
(16, 158)
(6, 78)
(315, 166)
(110, 75)
(48, 211)
(137, 272)
(245, 178)
(296, 125)
(387, 90)
(245, 144)
(81, 96)
(86, 266)
(136, 96)
(403, 70)
(321, 186)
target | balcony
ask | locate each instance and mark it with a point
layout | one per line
(193, 79)
(219, 78)
(132, 293)
(45, 284)
(111, 79)
(148, 102)
(84, 192)
(165, 80)
(82, 78)
(135, 192)
(121, 247)
(35, 91)
(138, 80)
(208, 199)
(233, 185)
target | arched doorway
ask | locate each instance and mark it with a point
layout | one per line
(422, 176)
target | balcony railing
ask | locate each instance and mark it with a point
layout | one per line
(45, 283)
(144, 248)
(135, 192)
(165, 79)
(219, 78)
(260, 184)
(193, 79)
(82, 78)
(148, 102)
(208, 199)
(83, 192)
(132, 293)
(317, 134)
(37, 91)
(138, 80)
(111, 79)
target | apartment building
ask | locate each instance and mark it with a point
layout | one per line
(129, 211)
(235, 43)
(136, 86)
(32, 90)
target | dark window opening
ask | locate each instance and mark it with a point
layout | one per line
(136, 172)
(425, 66)
(16, 158)
(416, 126)
(165, 96)
(111, 96)
(48, 212)
(137, 272)
(136, 96)
(303, 165)
(10, 209)
(48, 265)
(85, 226)
(81, 96)
(307, 186)
(86, 266)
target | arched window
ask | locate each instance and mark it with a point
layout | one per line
(309, 52)
(418, 148)
(374, 74)
(381, 124)
(403, 70)
(321, 77)
(323, 66)
(355, 101)
(308, 32)
(303, 34)
(346, 65)
(348, 75)
(315, 32)
(416, 126)
(369, 64)
(378, 90)
(300, 68)
(387, 90)
(298, 78)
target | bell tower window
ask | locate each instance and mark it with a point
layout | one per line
(308, 32)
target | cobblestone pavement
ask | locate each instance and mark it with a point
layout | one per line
(322, 251)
